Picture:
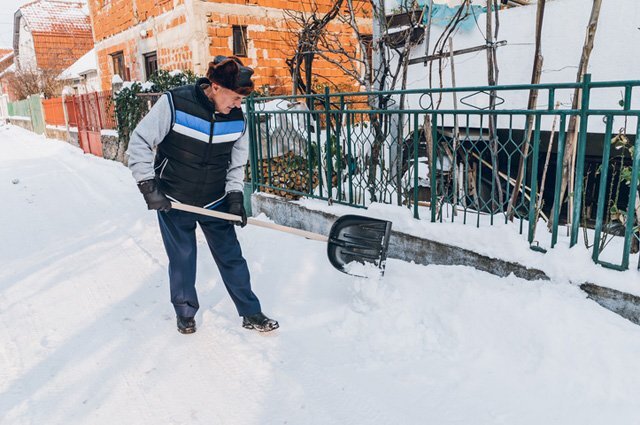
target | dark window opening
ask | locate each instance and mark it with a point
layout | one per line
(118, 65)
(240, 40)
(150, 64)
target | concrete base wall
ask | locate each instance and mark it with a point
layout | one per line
(57, 133)
(113, 149)
(401, 245)
(26, 124)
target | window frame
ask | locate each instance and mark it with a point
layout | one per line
(240, 40)
(147, 62)
(119, 67)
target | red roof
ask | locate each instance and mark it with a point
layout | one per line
(56, 16)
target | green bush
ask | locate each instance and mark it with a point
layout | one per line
(130, 106)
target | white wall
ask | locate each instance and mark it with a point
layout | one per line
(26, 58)
(615, 56)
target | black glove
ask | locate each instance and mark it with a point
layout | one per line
(152, 195)
(235, 203)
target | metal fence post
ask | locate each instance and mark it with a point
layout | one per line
(578, 185)
(327, 107)
(252, 142)
(432, 165)
(416, 165)
(633, 191)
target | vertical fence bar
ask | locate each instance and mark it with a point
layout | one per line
(259, 153)
(327, 106)
(309, 118)
(319, 150)
(432, 165)
(339, 148)
(627, 98)
(578, 184)
(604, 174)
(533, 195)
(416, 165)
(98, 110)
(562, 134)
(633, 190)
(252, 142)
(269, 156)
(350, 169)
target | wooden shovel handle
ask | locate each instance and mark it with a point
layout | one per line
(250, 220)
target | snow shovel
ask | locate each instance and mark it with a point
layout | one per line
(352, 237)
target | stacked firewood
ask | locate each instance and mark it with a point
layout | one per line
(288, 172)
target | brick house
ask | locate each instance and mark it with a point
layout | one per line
(133, 38)
(6, 70)
(51, 34)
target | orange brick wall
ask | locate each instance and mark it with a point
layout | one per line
(59, 51)
(105, 62)
(110, 17)
(321, 6)
(175, 58)
(270, 41)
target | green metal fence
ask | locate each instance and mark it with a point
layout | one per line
(494, 158)
(29, 108)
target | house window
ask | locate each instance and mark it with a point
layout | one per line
(150, 63)
(118, 65)
(240, 40)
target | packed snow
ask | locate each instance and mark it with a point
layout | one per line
(88, 334)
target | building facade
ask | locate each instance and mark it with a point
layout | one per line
(133, 38)
(51, 34)
(6, 72)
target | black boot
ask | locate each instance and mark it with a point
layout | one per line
(186, 325)
(259, 322)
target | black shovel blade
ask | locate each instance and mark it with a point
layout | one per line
(360, 239)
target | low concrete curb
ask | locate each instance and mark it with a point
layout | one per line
(401, 245)
(621, 303)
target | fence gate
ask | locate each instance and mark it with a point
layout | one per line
(89, 125)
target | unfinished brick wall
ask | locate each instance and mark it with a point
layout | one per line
(118, 24)
(105, 62)
(111, 17)
(59, 51)
(272, 41)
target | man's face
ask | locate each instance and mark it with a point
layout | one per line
(223, 98)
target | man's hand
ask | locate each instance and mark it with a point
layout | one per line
(153, 196)
(235, 202)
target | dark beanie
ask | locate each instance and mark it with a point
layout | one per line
(230, 73)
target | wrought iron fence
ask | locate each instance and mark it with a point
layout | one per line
(493, 157)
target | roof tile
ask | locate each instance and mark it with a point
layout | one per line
(55, 16)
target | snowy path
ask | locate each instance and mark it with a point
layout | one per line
(87, 334)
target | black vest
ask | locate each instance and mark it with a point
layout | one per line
(192, 160)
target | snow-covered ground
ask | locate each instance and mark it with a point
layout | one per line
(87, 333)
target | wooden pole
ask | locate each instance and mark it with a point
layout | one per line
(533, 98)
(570, 150)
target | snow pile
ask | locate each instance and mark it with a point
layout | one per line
(88, 334)
(86, 64)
